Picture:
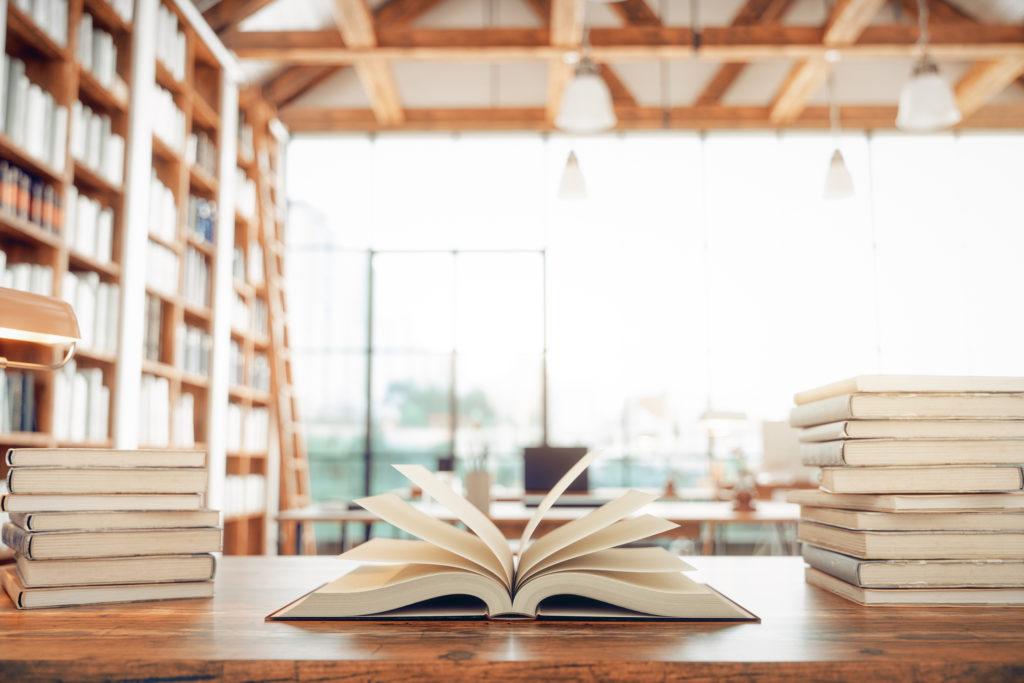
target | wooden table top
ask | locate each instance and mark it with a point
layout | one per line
(513, 511)
(805, 632)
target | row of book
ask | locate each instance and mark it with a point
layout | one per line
(161, 268)
(236, 364)
(159, 427)
(168, 119)
(27, 277)
(244, 495)
(922, 490)
(201, 217)
(90, 227)
(92, 526)
(17, 401)
(51, 16)
(163, 211)
(202, 151)
(95, 144)
(96, 52)
(81, 409)
(245, 194)
(151, 338)
(196, 288)
(32, 116)
(27, 197)
(194, 345)
(170, 43)
(96, 306)
(247, 430)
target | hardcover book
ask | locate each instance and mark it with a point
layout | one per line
(908, 406)
(948, 384)
(862, 520)
(114, 570)
(908, 503)
(49, 545)
(915, 596)
(915, 545)
(982, 479)
(916, 573)
(103, 457)
(24, 597)
(110, 480)
(918, 452)
(106, 502)
(122, 519)
(576, 571)
(914, 429)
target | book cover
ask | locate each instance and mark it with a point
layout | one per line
(24, 597)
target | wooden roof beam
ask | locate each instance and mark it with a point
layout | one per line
(566, 24)
(847, 21)
(754, 11)
(985, 80)
(635, 13)
(356, 26)
(226, 15)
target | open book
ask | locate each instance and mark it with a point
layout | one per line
(576, 571)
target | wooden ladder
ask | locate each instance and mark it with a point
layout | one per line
(294, 469)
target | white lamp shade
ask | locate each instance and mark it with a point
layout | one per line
(926, 101)
(838, 181)
(586, 104)
(572, 186)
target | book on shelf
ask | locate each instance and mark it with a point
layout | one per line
(882, 452)
(155, 411)
(907, 503)
(886, 384)
(50, 16)
(17, 401)
(916, 573)
(168, 119)
(25, 196)
(161, 268)
(90, 226)
(914, 429)
(581, 559)
(104, 457)
(954, 479)
(908, 406)
(96, 304)
(24, 597)
(863, 520)
(94, 143)
(915, 545)
(96, 51)
(52, 545)
(244, 494)
(170, 43)
(116, 570)
(115, 519)
(106, 480)
(32, 117)
(60, 502)
(81, 407)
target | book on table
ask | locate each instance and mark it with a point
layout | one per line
(865, 520)
(106, 480)
(914, 596)
(906, 406)
(915, 545)
(916, 573)
(914, 429)
(103, 457)
(116, 570)
(923, 384)
(120, 519)
(59, 502)
(890, 502)
(578, 571)
(43, 545)
(955, 479)
(924, 452)
(25, 597)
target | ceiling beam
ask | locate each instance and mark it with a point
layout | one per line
(226, 15)
(356, 26)
(753, 12)
(722, 44)
(566, 35)
(291, 82)
(985, 80)
(301, 120)
(635, 13)
(846, 22)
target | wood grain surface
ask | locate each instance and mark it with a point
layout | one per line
(806, 633)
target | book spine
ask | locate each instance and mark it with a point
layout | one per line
(821, 412)
(827, 432)
(834, 564)
(824, 453)
(17, 539)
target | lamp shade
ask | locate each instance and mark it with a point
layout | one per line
(586, 102)
(926, 101)
(838, 181)
(25, 316)
(572, 186)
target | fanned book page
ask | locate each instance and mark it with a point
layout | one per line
(578, 571)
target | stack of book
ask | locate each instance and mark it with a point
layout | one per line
(92, 526)
(921, 496)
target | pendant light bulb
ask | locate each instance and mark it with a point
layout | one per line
(926, 101)
(838, 181)
(586, 103)
(572, 185)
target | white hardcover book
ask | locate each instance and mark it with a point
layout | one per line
(60, 138)
(35, 115)
(114, 160)
(94, 139)
(78, 130)
(113, 296)
(4, 90)
(95, 429)
(79, 407)
(105, 236)
(85, 50)
(46, 143)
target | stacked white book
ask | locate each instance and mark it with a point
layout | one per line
(92, 526)
(31, 115)
(922, 489)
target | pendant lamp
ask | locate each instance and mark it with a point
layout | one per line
(838, 181)
(586, 103)
(926, 101)
(572, 186)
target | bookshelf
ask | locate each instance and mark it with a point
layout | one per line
(117, 193)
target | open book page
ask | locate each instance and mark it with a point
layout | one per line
(395, 551)
(467, 513)
(553, 495)
(401, 514)
(625, 560)
(622, 532)
(570, 532)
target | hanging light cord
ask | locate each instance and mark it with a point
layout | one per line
(666, 96)
(490, 18)
(833, 108)
(922, 25)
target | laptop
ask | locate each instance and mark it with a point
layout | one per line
(543, 466)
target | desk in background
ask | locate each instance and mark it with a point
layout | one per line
(703, 521)
(806, 633)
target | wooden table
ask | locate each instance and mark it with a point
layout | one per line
(805, 633)
(695, 519)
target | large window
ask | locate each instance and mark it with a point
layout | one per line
(445, 301)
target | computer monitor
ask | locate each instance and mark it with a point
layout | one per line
(543, 466)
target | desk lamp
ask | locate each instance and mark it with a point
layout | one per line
(37, 319)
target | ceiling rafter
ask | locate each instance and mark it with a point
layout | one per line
(226, 15)
(753, 12)
(356, 26)
(846, 22)
(302, 119)
(635, 13)
(566, 26)
(984, 80)
(291, 82)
